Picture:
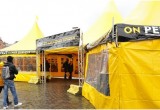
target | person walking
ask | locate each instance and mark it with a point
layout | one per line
(2, 83)
(66, 66)
(9, 84)
(70, 69)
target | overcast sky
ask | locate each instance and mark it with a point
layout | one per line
(55, 16)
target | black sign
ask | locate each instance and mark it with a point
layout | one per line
(18, 52)
(66, 39)
(126, 32)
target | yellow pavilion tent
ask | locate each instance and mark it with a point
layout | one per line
(56, 49)
(24, 53)
(122, 71)
(124, 74)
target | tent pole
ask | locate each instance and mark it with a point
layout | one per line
(41, 66)
(114, 35)
(113, 27)
(37, 63)
(44, 67)
(42, 72)
(81, 61)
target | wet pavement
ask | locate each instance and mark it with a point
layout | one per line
(52, 95)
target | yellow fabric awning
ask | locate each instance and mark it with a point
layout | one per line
(28, 42)
(64, 50)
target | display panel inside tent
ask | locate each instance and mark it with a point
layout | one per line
(23, 63)
(97, 72)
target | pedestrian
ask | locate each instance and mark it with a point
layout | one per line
(70, 69)
(47, 65)
(9, 84)
(1, 80)
(2, 83)
(66, 66)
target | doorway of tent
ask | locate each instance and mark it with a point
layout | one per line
(54, 65)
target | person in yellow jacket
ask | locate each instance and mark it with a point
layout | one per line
(1, 80)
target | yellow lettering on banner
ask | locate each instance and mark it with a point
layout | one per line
(136, 30)
(127, 30)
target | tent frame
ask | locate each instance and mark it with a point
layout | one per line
(41, 73)
(80, 63)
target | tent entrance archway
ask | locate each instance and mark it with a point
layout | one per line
(51, 65)
(62, 44)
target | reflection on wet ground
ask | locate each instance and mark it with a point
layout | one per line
(52, 95)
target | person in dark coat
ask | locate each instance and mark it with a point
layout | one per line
(70, 69)
(66, 66)
(47, 66)
(9, 84)
(2, 84)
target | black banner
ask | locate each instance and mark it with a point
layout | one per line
(66, 39)
(18, 52)
(126, 32)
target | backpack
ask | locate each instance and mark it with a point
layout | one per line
(5, 72)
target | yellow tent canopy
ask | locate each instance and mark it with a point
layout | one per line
(146, 13)
(27, 44)
(103, 24)
(64, 50)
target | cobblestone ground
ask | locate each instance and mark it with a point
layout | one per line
(52, 95)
